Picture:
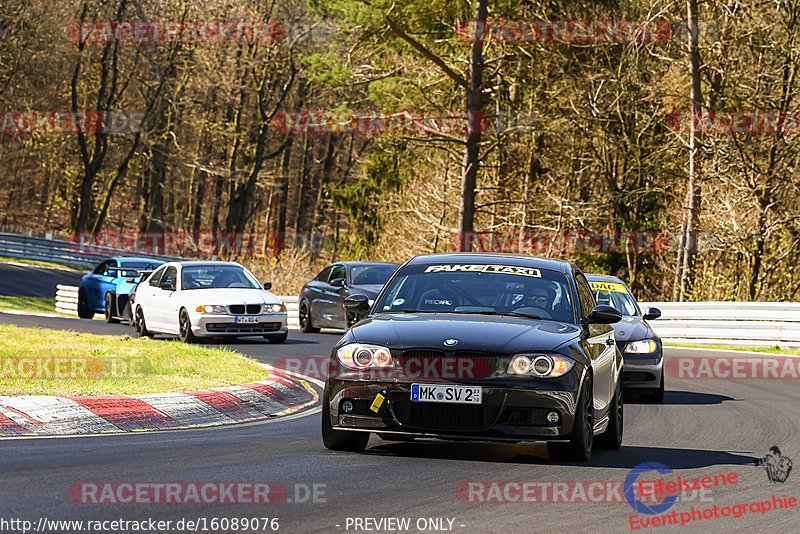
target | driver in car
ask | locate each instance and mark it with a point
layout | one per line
(540, 297)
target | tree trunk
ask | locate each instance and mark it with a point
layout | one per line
(472, 139)
(692, 217)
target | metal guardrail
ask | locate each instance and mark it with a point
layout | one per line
(728, 323)
(724, 323)
(67, 304)
(43, 249)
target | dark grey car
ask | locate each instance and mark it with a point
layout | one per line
(322, 298)
(639, 344)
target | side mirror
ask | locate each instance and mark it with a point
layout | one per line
(167, 286)
(604, 314)
(652, 313)
(356, 308)
(337, 282)
(267, 285)
(110, 272)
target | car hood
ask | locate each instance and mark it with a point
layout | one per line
(485, 333)
(226, 297)
(632, 328)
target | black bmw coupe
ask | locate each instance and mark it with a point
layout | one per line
(485, 347)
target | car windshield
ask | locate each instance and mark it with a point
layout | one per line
(480, 288)
(217, 277)
(139, 265)
(620, 300)
(371, 274)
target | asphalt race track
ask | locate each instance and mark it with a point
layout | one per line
(18, 280)
(703, 428)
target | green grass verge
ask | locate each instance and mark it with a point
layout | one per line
(50, 362)
(775, 349)
(39, 263)
(29, 304)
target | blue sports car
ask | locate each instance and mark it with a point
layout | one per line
(107, 289)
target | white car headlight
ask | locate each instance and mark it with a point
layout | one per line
(540, 365)
(361, 356)
(274, 308)
(210, 308)
(645, 346)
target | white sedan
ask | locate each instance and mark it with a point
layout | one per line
(207, 299)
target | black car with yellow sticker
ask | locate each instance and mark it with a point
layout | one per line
(488, 347)
(639, 344)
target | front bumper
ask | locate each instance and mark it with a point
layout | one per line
(512, 409)
(225, 325)
(642, 371)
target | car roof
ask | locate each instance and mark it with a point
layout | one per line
(362, 263)
(204, 263)
(604, 278)
(521, 260)
(138, 258)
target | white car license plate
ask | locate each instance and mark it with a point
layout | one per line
(450, 394)
(246, 319)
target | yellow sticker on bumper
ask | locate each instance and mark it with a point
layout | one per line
(607, 286)
(376, 404)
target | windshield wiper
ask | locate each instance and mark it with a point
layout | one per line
(515, 314)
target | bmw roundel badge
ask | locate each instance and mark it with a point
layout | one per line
(450, 342)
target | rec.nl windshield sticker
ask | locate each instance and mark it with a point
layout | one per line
(481, 268)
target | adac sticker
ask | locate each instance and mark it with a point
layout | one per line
(376, 404)
(608, 286)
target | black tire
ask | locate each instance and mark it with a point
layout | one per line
(141, 326)
(612, 437)
(339, 440)
(83, 306)
(277, 338)
(657, 395)
(185, 328)
(304, 315)
(579, 448)
(110, 309)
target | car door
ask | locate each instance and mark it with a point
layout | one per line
(98, 283)
(601, 347)
(333, 306)
(331, 299)
(146, 294)
(166, 301)
(316, 293)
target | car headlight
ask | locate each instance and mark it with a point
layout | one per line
(540, 365)
(645, 346)
(274, 308)
(361, 356)
(210, 308)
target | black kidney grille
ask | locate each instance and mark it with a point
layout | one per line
(237, 309)
(254, 308)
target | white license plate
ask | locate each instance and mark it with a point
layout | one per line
(246, 319)
(449, 394)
